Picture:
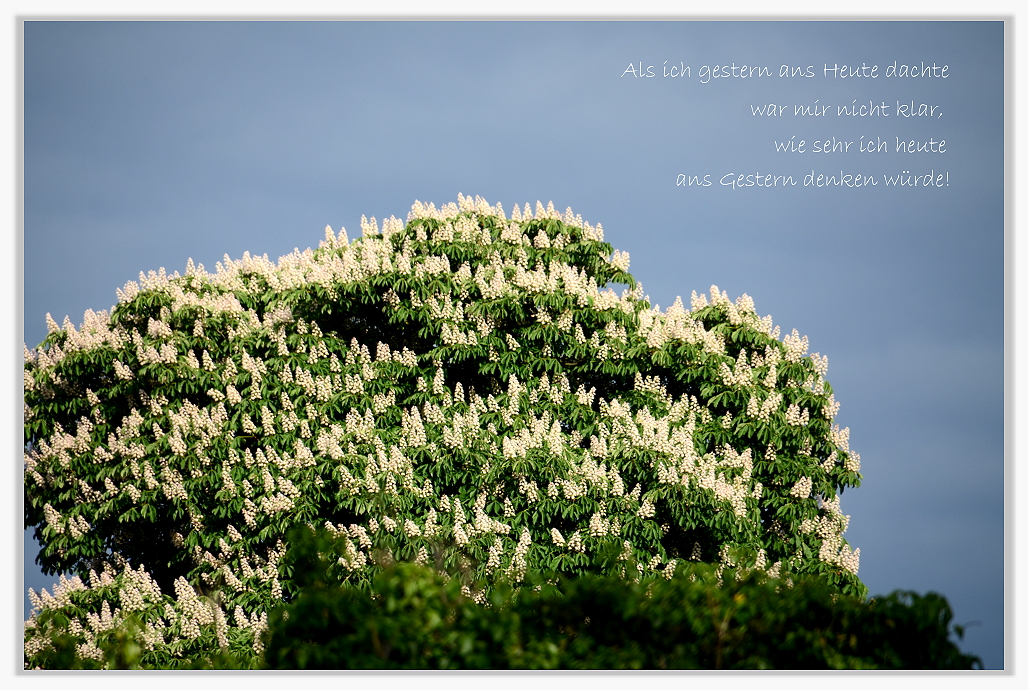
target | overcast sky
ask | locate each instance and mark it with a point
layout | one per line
(150, 143)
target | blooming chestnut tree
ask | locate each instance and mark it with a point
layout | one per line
(465, 390)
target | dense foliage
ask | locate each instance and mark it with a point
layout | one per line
(418, 619)
(464, 390)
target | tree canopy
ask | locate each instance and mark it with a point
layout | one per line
(464, 390)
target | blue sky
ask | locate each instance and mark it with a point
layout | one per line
(150, 143)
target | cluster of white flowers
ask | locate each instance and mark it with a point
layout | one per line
(575, 543)
(122, 371)
(849, 559)
(802, 488)
(183, 618)
(795, 346)
(495, 552)
(354, 558)
(740, 375)
(678, 324)
(138, 589)
(794, 417)
(61, 596)
(519, 562)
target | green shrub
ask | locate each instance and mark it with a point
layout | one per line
(413, 617)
